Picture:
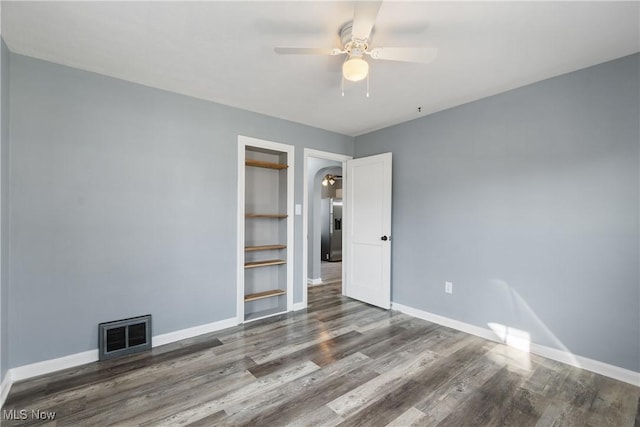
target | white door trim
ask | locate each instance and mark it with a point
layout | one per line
(325, 155)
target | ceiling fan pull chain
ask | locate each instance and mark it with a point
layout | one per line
(368, 84)
(342, 85)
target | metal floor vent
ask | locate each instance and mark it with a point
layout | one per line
(124, 336)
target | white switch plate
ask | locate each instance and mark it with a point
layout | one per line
(448, 287)
(298, 209)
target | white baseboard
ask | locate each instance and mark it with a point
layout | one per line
(170, 337)
(77, 359)
(299, 306)
(446, 321)
(5, 387)
(566, 357)
(52, 365)
(312, 282)
(611, 371)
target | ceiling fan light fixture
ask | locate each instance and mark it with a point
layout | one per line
(355, 69)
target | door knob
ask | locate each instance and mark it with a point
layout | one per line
(384, 238)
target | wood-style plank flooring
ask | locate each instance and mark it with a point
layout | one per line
(330, 272)
(340, 362)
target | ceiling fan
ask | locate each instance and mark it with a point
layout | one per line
(355, 37)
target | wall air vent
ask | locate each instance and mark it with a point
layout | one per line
(124, 336)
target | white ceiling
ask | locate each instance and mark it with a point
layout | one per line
(223, 51)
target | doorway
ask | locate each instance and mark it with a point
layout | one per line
(330, 272)
(327, 194)
(324, 180)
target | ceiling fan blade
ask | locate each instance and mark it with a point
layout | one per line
(422, 55)
(306, 51)
(364, 16)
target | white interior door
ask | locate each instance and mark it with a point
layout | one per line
(368, 246)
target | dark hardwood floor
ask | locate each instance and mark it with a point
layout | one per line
(340, 362)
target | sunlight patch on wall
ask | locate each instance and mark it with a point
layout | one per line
(522, 313)
(511, 336)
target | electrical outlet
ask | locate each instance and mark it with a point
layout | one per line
(448, 287)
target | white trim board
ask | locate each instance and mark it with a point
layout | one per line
(183, 334)
(5, 387)
(77, 359)
(611, 371)
(299, 306)
(47, 366)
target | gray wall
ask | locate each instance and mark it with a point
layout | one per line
(122, 205)
(528, 202)
(4, 210)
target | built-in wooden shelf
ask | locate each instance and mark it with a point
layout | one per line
(265, 279)
(265, 294)
(263, 248)
(268, 165)
(264, 263)
(257, 315)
